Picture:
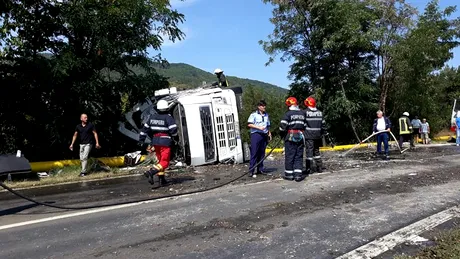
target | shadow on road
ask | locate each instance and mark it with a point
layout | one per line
(18, 209)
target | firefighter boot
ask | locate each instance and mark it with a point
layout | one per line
(163, 181)
(310, 166)
(319, 165)
(298, 176)
(149, 174)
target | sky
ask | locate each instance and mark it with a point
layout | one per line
(225, 34)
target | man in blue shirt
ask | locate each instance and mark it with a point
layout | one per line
(259, 123)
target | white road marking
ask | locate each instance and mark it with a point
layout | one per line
(87, 212)
(92, 211)
(408, 233)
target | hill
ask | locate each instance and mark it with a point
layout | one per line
(185, 76)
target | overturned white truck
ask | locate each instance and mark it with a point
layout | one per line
(207, 120)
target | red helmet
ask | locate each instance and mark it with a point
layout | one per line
(310, 102)
(291, 101)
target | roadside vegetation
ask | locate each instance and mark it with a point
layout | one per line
(69, 174)
(447, 246)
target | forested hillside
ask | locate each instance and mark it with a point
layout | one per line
(185, 76)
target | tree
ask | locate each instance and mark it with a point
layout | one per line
(357, 56)
(92, 46)
(395, 20)
(330, 45)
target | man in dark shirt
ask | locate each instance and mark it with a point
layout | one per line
(87, 132)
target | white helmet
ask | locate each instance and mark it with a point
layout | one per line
(162, 105)
(406, 114)
(218, 70)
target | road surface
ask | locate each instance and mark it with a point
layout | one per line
(325, 216)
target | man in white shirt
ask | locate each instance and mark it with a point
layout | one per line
(382, 123)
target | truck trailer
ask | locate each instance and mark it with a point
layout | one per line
(208, 124)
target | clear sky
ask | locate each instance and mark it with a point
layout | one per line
(225, 33)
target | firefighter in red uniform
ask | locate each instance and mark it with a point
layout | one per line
(162, 128)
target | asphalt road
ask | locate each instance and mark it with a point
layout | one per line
(323, 217)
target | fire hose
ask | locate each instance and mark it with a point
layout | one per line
(364, 140)
(140, 200)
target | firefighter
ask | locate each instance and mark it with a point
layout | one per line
(315, 128)
(222, 80)
(292, 127)
(162, 128)
(405, 130)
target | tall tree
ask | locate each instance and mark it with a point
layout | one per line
(330, 45)
(78, 56)
(394, 22)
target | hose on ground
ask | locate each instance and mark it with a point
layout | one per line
(140, 200)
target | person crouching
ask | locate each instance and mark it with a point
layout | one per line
(292, 128)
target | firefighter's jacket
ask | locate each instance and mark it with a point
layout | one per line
(405, 127)
(222, 81)
(315, 126)
(161, 128)
(292, 125)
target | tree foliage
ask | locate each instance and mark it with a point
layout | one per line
(63, 58)
(357, 56)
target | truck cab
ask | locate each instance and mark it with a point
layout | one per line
(207, 120)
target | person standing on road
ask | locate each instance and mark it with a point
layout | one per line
(405, 130)
(259, 124)
(425, 131)
(315, 128)
(87, 132)
(162, 127)
(292, 127)
(382, 123)
(416, 128)
(457, 125)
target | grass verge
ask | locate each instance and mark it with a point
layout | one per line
(70, 174)
(67, 175)
(447, 246)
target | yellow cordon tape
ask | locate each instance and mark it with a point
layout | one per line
(48, 165)
(119, 160)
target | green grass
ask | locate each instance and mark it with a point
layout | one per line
(71, 174)
(447, 246)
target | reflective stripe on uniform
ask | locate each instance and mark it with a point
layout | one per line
(317, 157)
(309, 158)
(297, 122)
(298, 171)
(403, 127)
(159, 128)
(313, 128)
